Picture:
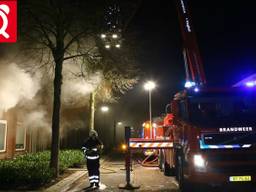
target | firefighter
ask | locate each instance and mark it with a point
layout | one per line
(92, 147)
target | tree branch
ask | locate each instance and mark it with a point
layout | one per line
(73, 56)
(78, 55)
(75, 38)
(42, 28)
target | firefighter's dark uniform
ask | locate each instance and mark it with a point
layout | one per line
(92, 154)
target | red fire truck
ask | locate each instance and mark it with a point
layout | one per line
(214, 136)
(213, 130)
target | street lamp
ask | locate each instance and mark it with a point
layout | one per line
(103, 36)
(117, 45)
(104, 109)
(114, 36)
(149, 86)
(107, 46)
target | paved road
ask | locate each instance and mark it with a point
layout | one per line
(150, 179)
(113, 174)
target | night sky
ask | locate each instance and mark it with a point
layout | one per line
(226, 35)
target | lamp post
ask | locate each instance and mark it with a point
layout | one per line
(149, 86)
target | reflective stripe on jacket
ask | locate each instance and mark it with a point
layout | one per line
(92, 157)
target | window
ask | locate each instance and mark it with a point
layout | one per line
(210, 112)
(3, 133)
(20, 137)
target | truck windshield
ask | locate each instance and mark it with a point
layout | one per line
(216, 111)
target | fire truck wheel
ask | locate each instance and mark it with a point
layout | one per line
(183, 184)
(167, 169)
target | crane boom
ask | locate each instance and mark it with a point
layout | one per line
(192, 58)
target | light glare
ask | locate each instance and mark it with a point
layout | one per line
(250, 83)
(104, 108)
(103, 36)
(124, 147)
(114, 36)
(189, 84)
(196, 89)
(199, 161)
(107, 46)
(149, 85)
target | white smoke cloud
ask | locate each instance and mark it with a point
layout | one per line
(75, 88)
(15, 85)
(36, 119)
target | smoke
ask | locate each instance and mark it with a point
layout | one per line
(75, 88)
(36, 119)
(15, 85)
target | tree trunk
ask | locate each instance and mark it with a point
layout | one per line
(92, 109)
(54, 162)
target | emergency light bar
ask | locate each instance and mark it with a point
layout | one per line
(250, 84)
(233, 146)
(190, 84)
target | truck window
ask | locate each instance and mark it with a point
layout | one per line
(220, 111)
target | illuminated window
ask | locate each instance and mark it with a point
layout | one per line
(20, 137)
(3, 133)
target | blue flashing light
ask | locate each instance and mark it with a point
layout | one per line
(250, 83)
(196, 89)
(233, 146)
(189, 84)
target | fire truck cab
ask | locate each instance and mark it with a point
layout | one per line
(214, 136)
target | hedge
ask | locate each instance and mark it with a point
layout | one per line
(32, 170)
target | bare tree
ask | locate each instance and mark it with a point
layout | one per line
(54, 31)
(58, 28)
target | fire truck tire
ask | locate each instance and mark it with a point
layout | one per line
(184, 186)
(167, 169)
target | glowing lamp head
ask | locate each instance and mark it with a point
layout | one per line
(107, 46)
(104, 109)
(114, 36)
(149, 85)
(124, 147)
(117, 45)
(103, 36)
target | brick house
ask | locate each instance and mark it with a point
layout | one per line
(17, 139)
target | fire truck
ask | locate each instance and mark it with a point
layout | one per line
(214, 136)
(213, 130)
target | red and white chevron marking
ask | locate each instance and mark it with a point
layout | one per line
(154, 145)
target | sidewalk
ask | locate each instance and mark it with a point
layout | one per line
(66, 183)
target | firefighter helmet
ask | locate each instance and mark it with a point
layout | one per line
(93, 133)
